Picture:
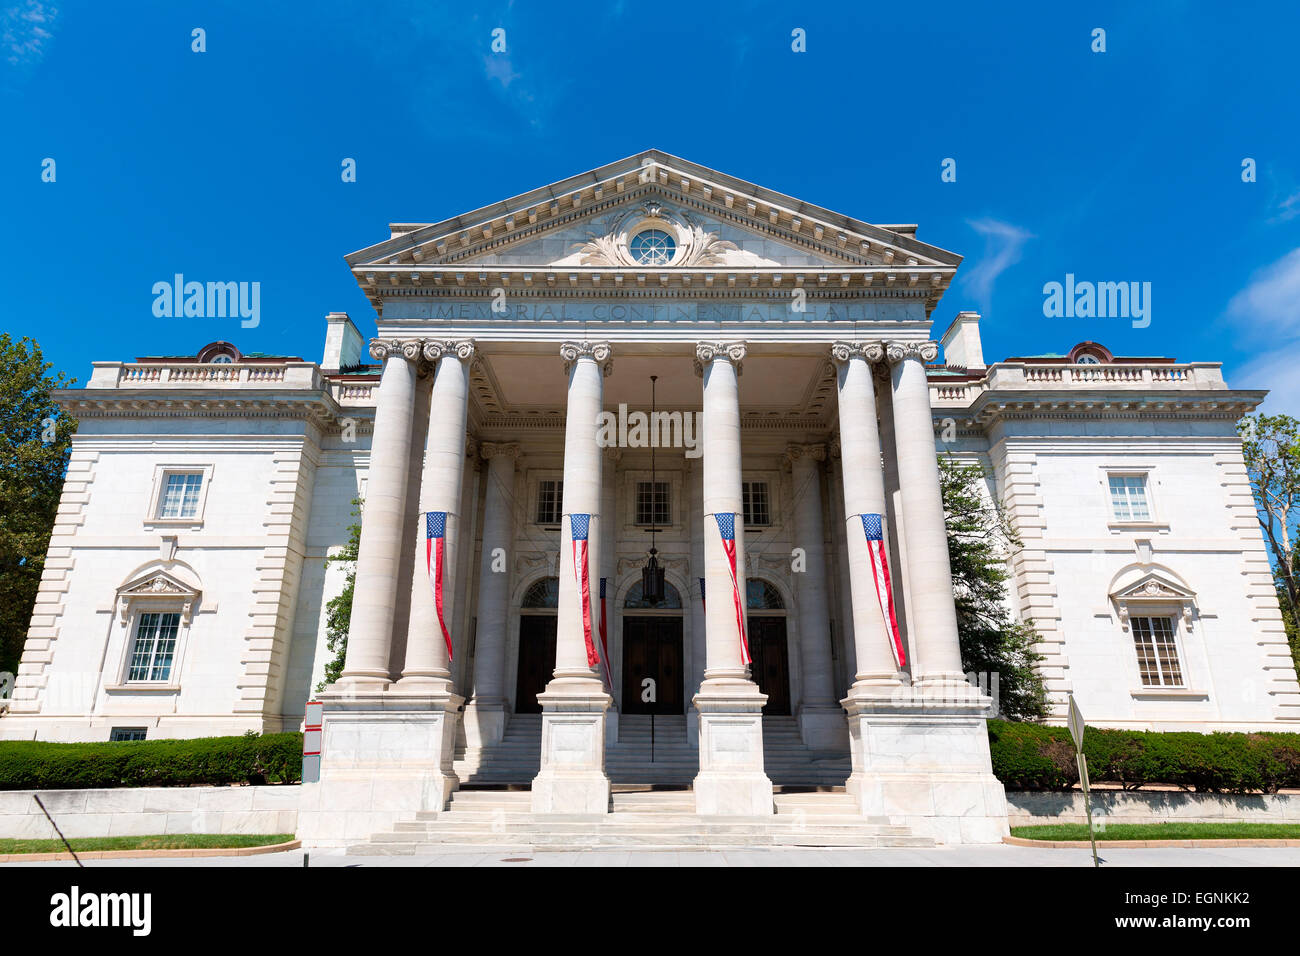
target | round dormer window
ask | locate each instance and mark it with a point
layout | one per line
(653, 247)
(223, 359)
(1086, 359)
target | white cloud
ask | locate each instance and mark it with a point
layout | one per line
(1275, 371)
(1270, 305)
(25, 31)
(1003, 243)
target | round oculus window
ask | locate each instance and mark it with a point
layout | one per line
(654, 247)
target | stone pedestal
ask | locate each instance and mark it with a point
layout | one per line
(572, 778)
(822, 728)
(731, 781)
(385, 756)
(485, 722)
(922, 760)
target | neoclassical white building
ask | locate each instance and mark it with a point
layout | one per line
(502, 406)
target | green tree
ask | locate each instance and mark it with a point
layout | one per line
(34, 442)
(1270, 445)
(979, 540)
(338, 612)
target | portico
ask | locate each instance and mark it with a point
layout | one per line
(779, 334)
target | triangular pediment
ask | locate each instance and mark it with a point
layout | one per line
(1153, 587)
(578, 223)
(158, 583)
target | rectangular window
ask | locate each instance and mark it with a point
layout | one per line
(154, 647)
(550, 499)
(1156, 651)
(1128, 498)
(180, 497)
(754, 501)
(652, 504)
(128, 733)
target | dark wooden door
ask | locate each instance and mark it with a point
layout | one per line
(652, 647)
(771, 666)
(536, 660)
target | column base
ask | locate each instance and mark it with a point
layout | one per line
(385, 756)
(731, 781)
(485, 722)
(572, 779)
(823, 728)
(922, 761)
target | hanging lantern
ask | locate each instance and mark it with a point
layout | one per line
(652, 575)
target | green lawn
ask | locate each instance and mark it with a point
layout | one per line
(195, 841)
(1163, 831)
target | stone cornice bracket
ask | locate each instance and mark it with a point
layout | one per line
(435, 349)
(897, 352)
(500, 449)
(873, 352)
(599, 351)
(793, 452)
(733, 352)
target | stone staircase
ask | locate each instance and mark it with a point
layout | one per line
(516, 760)
(641, 819)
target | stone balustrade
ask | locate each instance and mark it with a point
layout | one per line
(1027, 376)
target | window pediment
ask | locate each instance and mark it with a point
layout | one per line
(1152, 590)
(157, 586)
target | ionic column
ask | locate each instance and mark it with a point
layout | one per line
(487, 713)
(821, 721)
(379, 555)
(731, 778)
(427, 654)
(933, 615)
(572, 777)
(864, 494)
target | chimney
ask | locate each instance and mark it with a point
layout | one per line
(961, 343)
(343, 343)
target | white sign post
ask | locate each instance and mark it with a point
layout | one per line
(1075, 723)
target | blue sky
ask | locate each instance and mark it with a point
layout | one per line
(225, 165)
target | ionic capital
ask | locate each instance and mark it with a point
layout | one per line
(897, 352)
(600, 352)
(812, 452)
(435, 349)
(382, 349)
(498, 449)
(872, 352)
(706, 352)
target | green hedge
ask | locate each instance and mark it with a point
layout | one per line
(1034, 757)
(39, 765)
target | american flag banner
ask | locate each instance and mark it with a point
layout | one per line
(435, 540)
(874, 527)
(579, 525)
(727, 528)
(604, 642)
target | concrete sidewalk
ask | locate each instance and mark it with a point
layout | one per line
(939, 856)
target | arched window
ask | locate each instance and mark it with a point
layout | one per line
(543, 593)
(762, 596)
(672, 599)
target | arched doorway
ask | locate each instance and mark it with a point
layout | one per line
(537, 613)
(767, 644)
(652, 651)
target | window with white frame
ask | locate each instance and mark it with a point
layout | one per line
(1128, 498)
(1157, 650)
(754, 502)
(153, 649)
(180, 495)
(550, 501)
(653, 503)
